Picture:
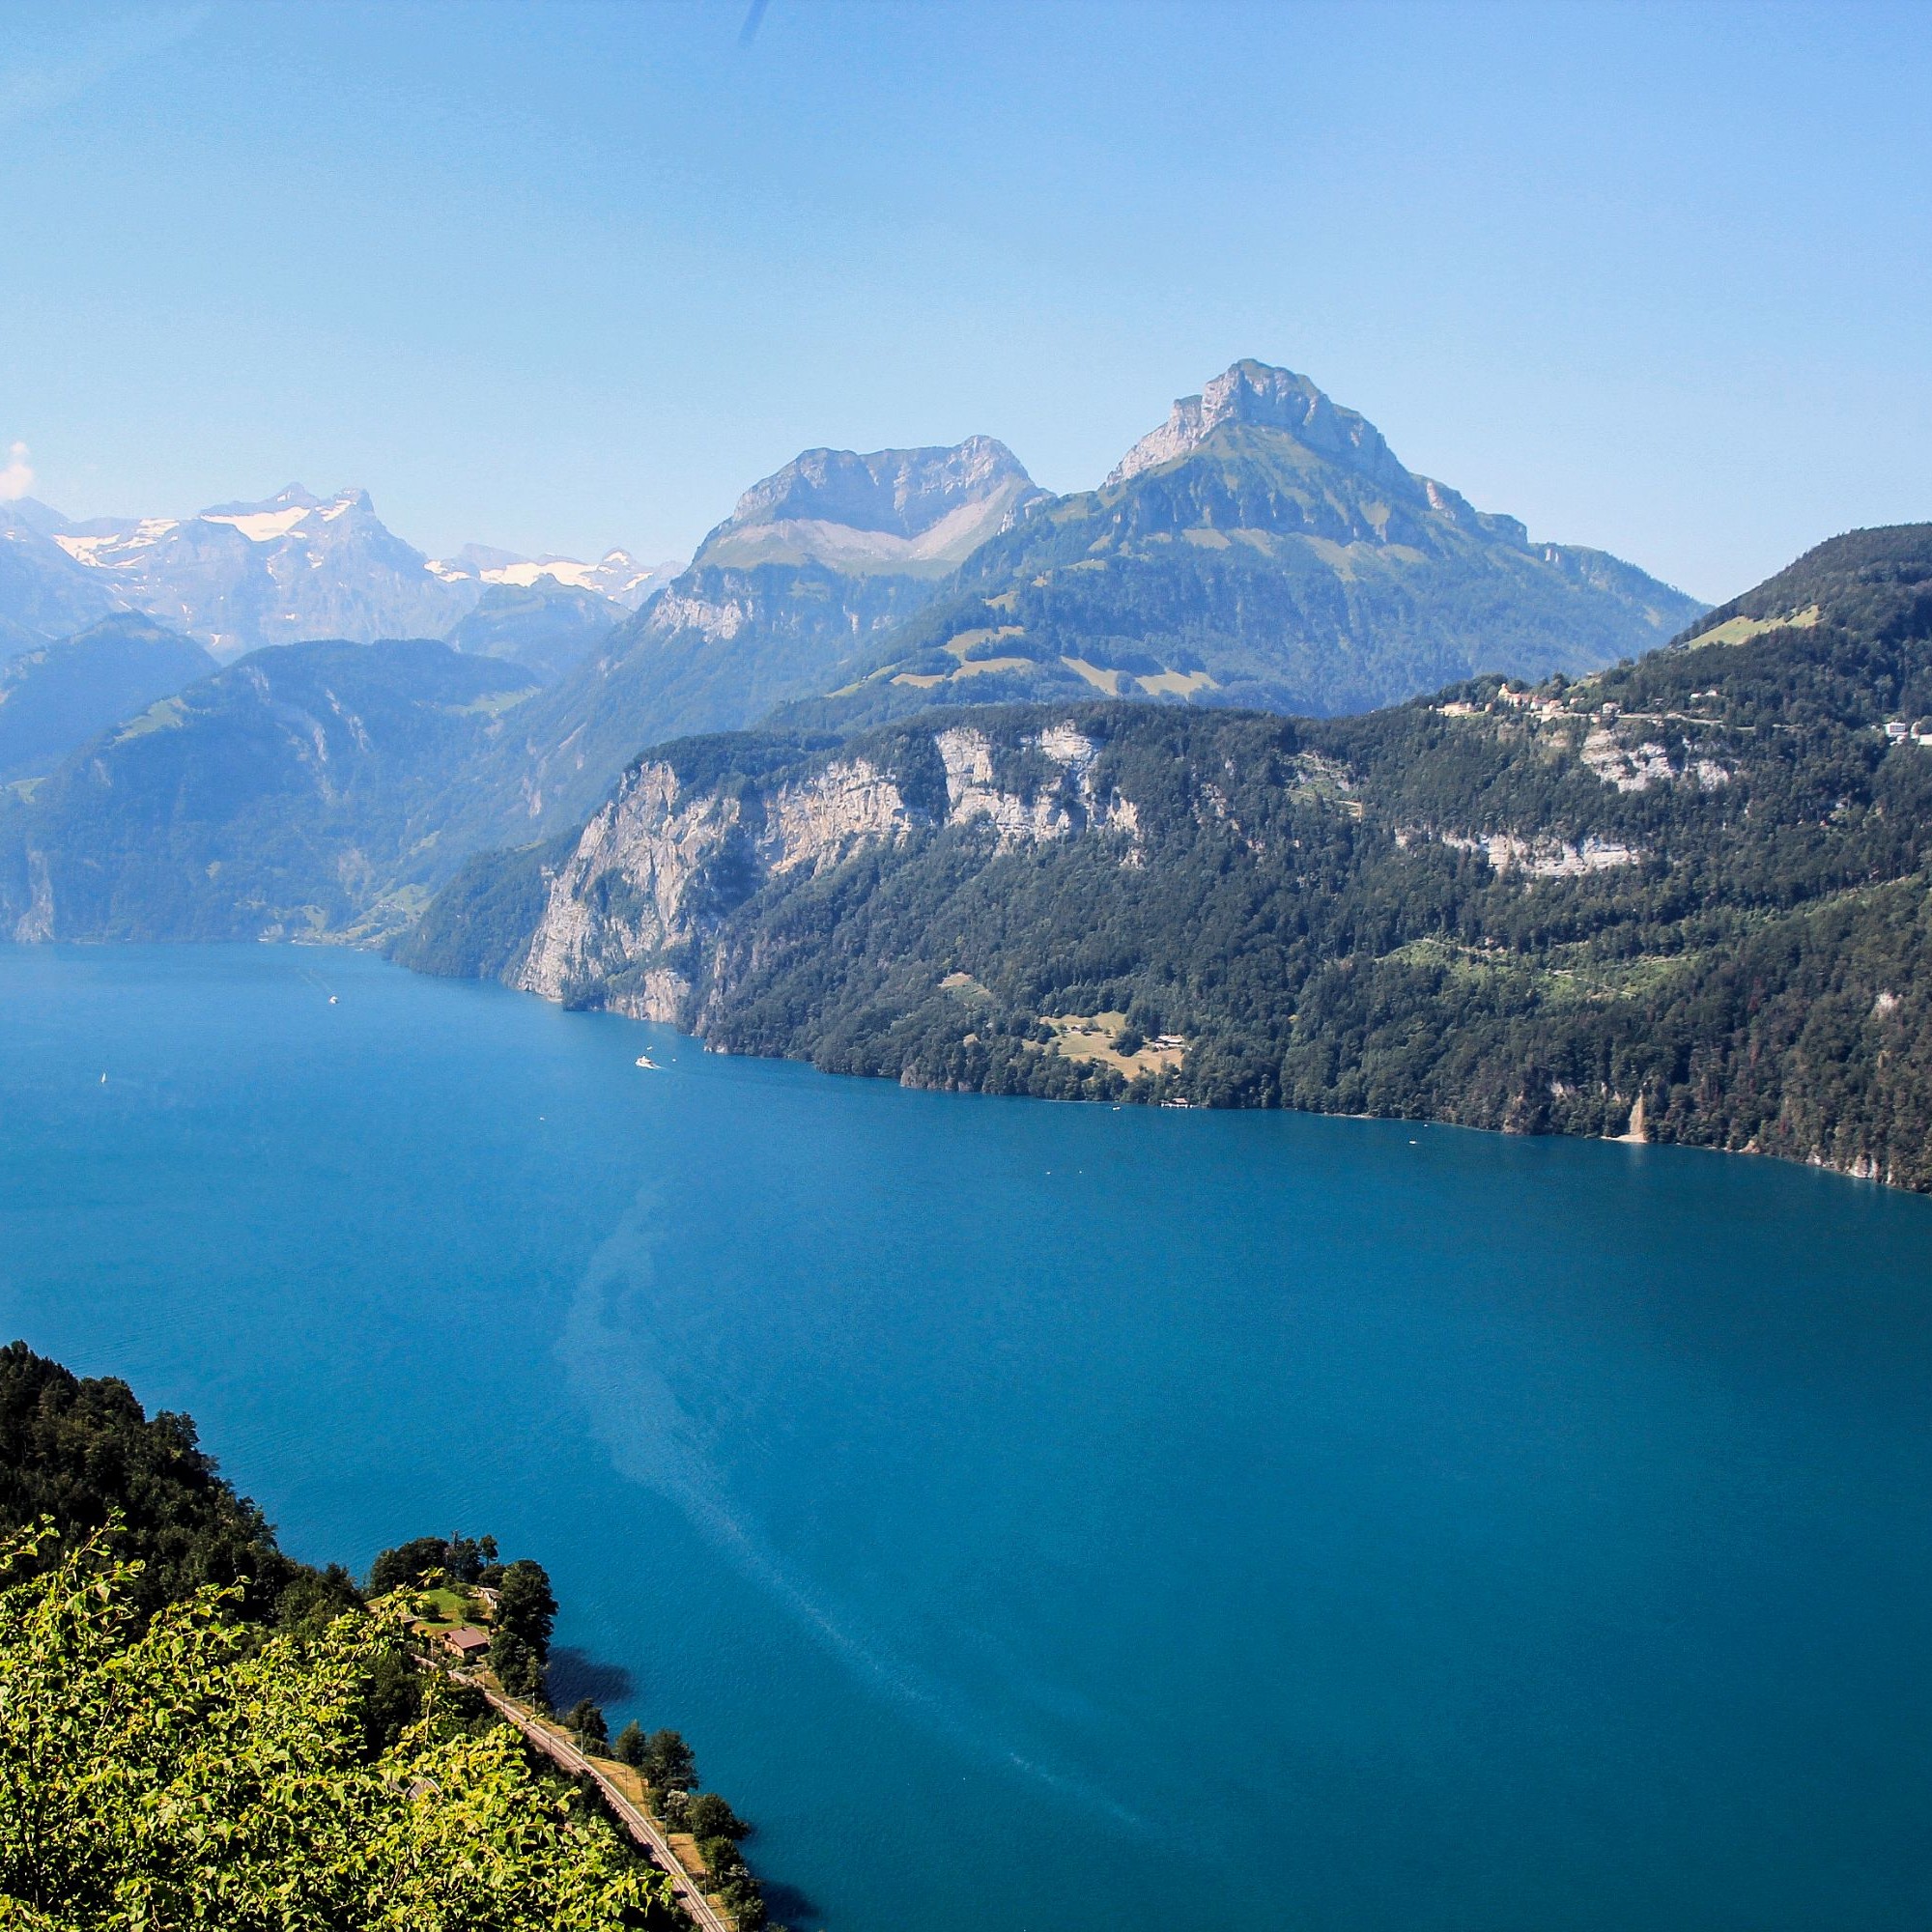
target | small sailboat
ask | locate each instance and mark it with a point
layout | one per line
(332, 998)
(104, 1080)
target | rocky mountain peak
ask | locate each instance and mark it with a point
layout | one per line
(899, 492)
(1258, 395)
(291, 496)
(887, 509)
(617, 574)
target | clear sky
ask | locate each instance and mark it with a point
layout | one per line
(560, 276)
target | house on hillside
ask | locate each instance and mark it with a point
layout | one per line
(465, 1642)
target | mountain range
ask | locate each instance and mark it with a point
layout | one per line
(1684, 899)
(290, 569)
(1263, 547)
(918, 770)
(1276, 554)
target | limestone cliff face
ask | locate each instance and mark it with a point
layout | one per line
(1051, 812)
(622, 897)
(637, 917)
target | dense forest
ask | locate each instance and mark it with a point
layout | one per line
(1685, 898)
(197, 1729)
(302, 790)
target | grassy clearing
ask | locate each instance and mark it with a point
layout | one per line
(450, 1606)
(1097, 676)
(1092, 1040)
(1572, 979)
(966, 642)
(165, 716)
(975, 667)
(492, 704)
(1741, 629)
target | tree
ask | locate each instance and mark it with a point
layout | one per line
(630, 1746)
(525, 1606)
(82, 1451)
(711, 1817)
(670, 1763)
(463, 1559)
(406, 1564)
(585, 1721)
(733, 1879)
(526, 1612)
(190, 1769)
(466, 1557)
(317, 1598)
(519, 1668)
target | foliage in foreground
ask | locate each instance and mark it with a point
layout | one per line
(187, 1770)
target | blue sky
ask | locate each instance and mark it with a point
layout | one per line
(561, 276)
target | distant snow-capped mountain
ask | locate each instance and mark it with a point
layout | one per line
(244, 575)
(286, 570)
(617, 574)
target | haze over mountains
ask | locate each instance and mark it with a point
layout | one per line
(910, 512)
(1271, 551)
(289, 569)
(1263, 547)
(58, 696)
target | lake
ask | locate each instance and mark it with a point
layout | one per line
(1045, 1517)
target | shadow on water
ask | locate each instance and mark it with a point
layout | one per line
(788, 1905)
(575, 1673)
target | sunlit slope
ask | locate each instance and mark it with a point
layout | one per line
(1685, 898)
(1264, 548)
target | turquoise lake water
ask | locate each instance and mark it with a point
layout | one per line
(1046, 1517)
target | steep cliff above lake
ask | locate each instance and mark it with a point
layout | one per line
(1685, 898)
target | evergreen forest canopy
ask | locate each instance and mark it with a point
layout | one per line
(1685, 898)
(195, 1729)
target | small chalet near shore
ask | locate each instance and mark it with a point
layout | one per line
(464, 1641)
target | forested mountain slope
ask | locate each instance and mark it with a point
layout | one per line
(300, 792)
(1685, 898)
(55, 698)
(1265, 547)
